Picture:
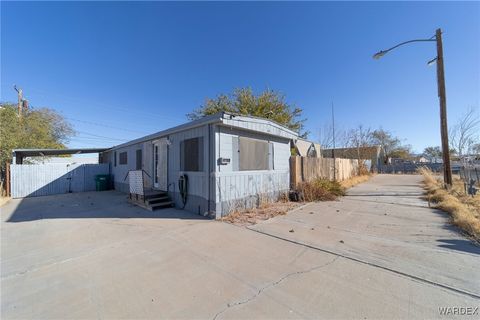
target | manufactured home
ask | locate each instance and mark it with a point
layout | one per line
(211, 166)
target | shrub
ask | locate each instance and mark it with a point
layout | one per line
(362, 168)
(320, 190)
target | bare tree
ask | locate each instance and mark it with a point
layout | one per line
(326, 136)
(388, 142)
(359, 137)
(465, 133)
(476, 149)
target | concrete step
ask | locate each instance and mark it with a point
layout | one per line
(150, 194)
(160, 205)
(158, 199)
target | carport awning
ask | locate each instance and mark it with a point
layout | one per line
(19, 154)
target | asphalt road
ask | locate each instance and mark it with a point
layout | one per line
(378, 253)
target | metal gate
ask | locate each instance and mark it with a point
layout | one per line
(32, 180)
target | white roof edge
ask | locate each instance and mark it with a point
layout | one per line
(189, 125)
(214, 118)
(264, 120)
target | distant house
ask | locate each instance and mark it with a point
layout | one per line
(398, 161)
(422, 159)
(305, 148)
(230, 162)
(373, 154)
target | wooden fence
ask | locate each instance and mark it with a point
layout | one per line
(303, 169)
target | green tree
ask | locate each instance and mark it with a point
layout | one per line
(433, 153)
(37, 128)
(269, 104)
(391, 145)
(402, 152)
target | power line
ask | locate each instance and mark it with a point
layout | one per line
(91, 144)
(106, 106)
(91, 138)
(138, 113)
(99, 136)
(105, 125)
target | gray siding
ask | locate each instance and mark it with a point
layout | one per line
(120, 171)
(198, 184)
(224, 185)
(242, 189)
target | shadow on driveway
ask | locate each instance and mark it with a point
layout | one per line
(459, 245)
(85, 205)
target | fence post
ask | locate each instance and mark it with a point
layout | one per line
(302, 170)
(7, 180)
(294, 171)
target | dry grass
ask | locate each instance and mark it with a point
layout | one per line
(264, 212)
(316, 190)
(463, 209)
(320, 189)
(3, 200)
(347, 184)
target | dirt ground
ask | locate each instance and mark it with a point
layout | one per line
(264, 212)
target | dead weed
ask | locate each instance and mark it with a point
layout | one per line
(264, 212)
(463, 209)
(353, 181)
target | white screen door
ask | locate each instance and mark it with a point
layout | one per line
(160, 156)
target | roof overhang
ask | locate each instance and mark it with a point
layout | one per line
(20, 154)
(222, 118)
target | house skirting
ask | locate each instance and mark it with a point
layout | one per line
(224, 208)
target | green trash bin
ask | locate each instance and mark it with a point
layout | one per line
(101, 182)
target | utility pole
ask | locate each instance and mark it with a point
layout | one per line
(447, 171)
(20, 100)
(333, 149)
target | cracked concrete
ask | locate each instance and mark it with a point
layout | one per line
(380, 223)
(272, 284)
(119, 262)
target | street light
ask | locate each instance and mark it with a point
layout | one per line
(447, 172)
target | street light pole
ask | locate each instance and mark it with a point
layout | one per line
(447, 172)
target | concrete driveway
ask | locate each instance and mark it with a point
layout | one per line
(92, 255)
(385, 223)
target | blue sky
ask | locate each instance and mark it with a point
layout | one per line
(120, 69)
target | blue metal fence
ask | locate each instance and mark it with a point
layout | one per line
(32, 180)
(409, 167)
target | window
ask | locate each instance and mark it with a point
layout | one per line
(139, 160)
(191, 154)
(123, 158)
(253, 154)
(115, 159)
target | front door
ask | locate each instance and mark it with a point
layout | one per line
(160, 165)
